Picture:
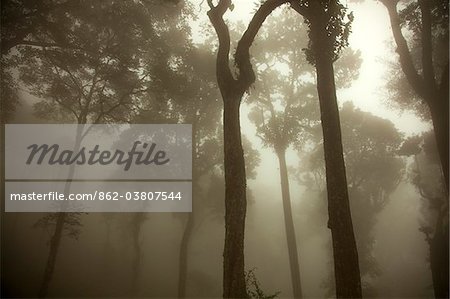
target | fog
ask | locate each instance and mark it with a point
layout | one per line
(396, 188)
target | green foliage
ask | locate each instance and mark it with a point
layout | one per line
(254, 288)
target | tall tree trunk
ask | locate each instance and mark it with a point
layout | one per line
(346, 266)
(289, 226)
(235, 204)
(436, 97)
(438, 244)
(425, 85)
(51, 260)
(59, 226)
(439, 248)
(438, 104)
(439, 255)
(232, 90)
(183, 259)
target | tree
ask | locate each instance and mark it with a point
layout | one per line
(285, 102)
(374, 172)
(193, 99)
(371, 146)
(329, 27)
(428, 20)
(90, 77)
(421, 85)
(232, 90)
(425, 175)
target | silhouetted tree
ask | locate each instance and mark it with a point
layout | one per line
(425, 175)
(87, 76)
(232, 90)
(428, 21)
(329, 27)
(285, 99)
(420, 84)
(374, 171)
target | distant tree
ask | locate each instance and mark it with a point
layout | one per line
(374, 171)
(86, 75)
(425, 175)
(285, 103)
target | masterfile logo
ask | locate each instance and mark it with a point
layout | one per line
(101, 152)
(52, 155)
(98, 168)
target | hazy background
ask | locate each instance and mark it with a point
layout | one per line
(97, 262)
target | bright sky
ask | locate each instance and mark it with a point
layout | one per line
(371, 35)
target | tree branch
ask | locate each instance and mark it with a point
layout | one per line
(406, 61)
(242, 57)
(223, 72)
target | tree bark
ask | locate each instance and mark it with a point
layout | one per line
(346, 266)
(289, 226)
(235, 203)
(51, 260)
(439, 257)
(232, 90)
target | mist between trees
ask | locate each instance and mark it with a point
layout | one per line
(297, 191)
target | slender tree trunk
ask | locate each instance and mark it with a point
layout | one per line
(51, 260)
(425, 85)
(439, 115)
(439, 246)
(439, 255)
(346, 266)
(232, 90)
(289, 226)
(235, 203)
(183, 259)
(59, 227)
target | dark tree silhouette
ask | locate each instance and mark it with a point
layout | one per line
(429, 21)
(232, 90)
(422, 86)
(374, 171)
(426, 177)
(85, 77)
(328, 33)
(286, 109)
